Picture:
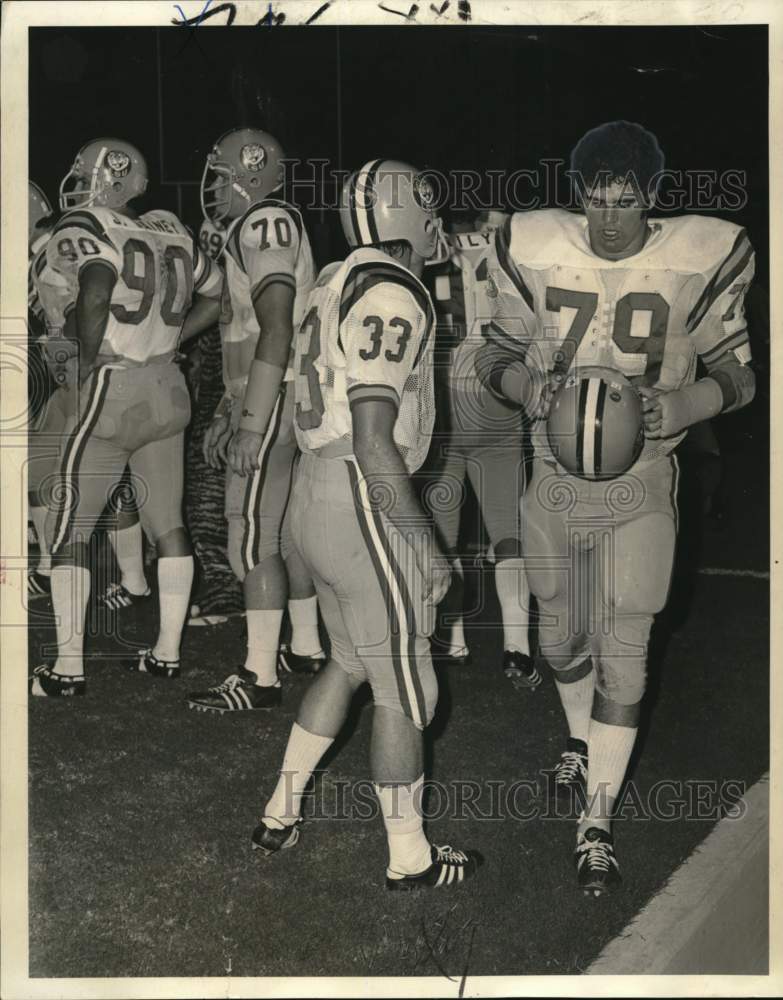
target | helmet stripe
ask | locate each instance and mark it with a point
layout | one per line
(588, 416)
(361, 190)
(599, 425)
(357, 236)
(580, 427)
(369, 191)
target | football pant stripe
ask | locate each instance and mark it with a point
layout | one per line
(74, 450)
(254, 493)
(674, 490)
(397, 598)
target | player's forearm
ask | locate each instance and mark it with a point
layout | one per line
(202, 315)
(390, 489)
(507, 377)
(92, 315)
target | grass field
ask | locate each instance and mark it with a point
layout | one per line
(141, 811)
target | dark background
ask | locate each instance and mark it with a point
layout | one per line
(448, 98)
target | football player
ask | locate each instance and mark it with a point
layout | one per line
(133, 279)
(219, 593)
(479, 436)
(269, 271)
(364, 417)
(51, 300)
(645, 297)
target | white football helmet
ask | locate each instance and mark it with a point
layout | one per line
(38, 209)
(106, 173)
(245, 166)
(389, 200)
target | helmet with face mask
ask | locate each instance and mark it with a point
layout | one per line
(388, 200)
(107, 173)
(245, 166)
(38, 209)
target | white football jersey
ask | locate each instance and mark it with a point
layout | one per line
(648, 316)
(50, 296)
(158, 269)
(462, 293)
(367, 333)
(265, 245)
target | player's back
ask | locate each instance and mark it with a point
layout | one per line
(269, 243)
(158, 268)
(366, 333)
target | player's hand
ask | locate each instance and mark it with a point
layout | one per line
(244, 451)
(435, 570)
(664, 414)
(216, 440)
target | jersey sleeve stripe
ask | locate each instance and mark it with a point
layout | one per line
(376, 392)
(81, 220)
(728, 344)
(280, 278)
(734, 264)
(363, 277)
(503, 249)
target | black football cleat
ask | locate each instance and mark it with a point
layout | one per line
(269, 839)
(38, 585)
(449, 867)
(45, 683)
(237, 693)
(569, 776)
(116, 597)
(146, 663)
(293, 663)
(597, 870)
(520, 670)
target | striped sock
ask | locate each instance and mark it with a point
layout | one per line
(409, 850)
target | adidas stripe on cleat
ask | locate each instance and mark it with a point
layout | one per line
(45, 683)
(449, 867)
(269, 839)
(116, 597)
(237, 693)
(596, 866)
(293, 663)
(38, 585)
(521, 670)
(147, 663)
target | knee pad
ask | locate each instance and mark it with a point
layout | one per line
(621, 663)
(561, 647)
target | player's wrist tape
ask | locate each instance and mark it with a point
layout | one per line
(263, 388)
(692, 404)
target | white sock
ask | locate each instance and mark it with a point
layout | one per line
(514, 596)
(305, 640)
(263, 641)
(609, 750)
(70, 593)
(175, 579)
(38, 516)
(301, 758)
(129, 550)
(457, 643)
(577, 702)
(409, 850)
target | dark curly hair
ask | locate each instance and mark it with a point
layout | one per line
(618, 151)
